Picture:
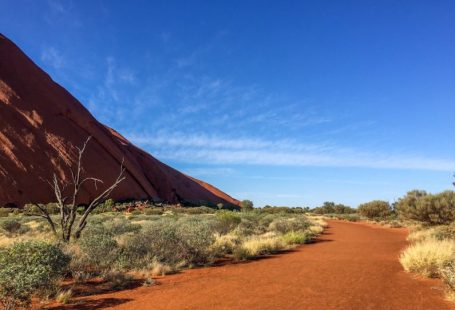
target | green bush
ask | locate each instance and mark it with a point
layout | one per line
(332, 208)
(227, 221)
(27, 268)
(375, 209)
(246, 205)
(427, 208)
(11, 226)
(285, 225)
(297, 237)
(184, 241)
(4, 212)
(99, 248)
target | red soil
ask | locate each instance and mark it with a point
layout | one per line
(41, 124)
(352, 266)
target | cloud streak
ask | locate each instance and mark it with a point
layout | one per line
(200, 148)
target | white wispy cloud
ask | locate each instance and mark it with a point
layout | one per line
(52, 57)
(200, 148)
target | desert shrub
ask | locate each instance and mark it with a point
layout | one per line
(64, 297)
(262, 245)
(329, 207)
(225, 244)
(153, 211)
(297, 237)
(428, 208)
(27, 268)
(10, 226)
(172, 242)
(427, 257)
(121, 226)
(292, 210)
(4, 212)
(246, 205)
(285, 225)
(117, 280)
(99, 249)
(447, 273)
(227, 221)
(135, 251)
(375, 209)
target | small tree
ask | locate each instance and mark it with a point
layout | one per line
(67, 193)
(246, 205)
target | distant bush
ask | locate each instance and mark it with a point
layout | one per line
(285, 225)
(27, 268)
(246, 205)
(428, 208)
(375, 209)
(428, 257)
(274, 210)
(4, 212)
(332, 208)
(227, 221)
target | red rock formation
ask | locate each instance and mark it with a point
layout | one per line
(41, 124)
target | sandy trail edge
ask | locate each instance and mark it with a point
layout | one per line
(352, 266)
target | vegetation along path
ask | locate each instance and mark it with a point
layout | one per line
(352, 266)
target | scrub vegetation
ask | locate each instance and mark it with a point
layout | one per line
(153, 240)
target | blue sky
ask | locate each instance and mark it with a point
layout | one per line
(282, 102)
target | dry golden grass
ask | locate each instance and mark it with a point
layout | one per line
(264, 244)
(225, 244)
(428, 256)
(64, 297)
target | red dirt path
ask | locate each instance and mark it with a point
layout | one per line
(353, 266)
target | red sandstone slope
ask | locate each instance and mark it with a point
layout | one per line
(41, 124)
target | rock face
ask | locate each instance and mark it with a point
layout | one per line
(41, 124)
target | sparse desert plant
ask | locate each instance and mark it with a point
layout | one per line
(10, 226)
(225, 244)
(285, 225)
(4, 212)
(297, 237)
(29, 268)
(64, 296)
(99, 248)
(262, 245)
(427, 257)
(427, 208)
(246, 205)
(117, 280)
(375, 209)
(227, 221)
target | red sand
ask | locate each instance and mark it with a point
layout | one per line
(353, 266)
(41, 124)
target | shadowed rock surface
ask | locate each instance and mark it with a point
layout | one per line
(41, 124)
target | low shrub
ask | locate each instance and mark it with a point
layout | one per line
(427, 257)
(263, 245)
(11, 226)
(27, 268)
(297, 237)
(4, 212)
(117, 280)
(285, 225)
(99, 249)
(227, 221)
(375, 209)
(225, 244)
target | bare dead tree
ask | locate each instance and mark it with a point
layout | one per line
(67, 193)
